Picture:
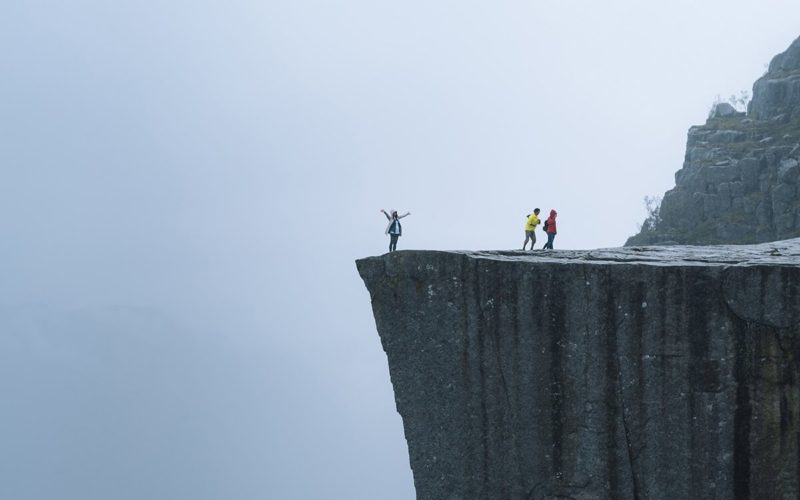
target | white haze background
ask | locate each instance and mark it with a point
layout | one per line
(185, 187)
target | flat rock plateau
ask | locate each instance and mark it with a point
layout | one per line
(628, 373)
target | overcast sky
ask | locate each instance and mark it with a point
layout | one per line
(184, 187)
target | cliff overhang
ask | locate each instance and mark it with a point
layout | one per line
(642, 372)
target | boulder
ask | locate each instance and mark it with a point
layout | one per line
(721, 109)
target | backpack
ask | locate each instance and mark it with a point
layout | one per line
(544, 228)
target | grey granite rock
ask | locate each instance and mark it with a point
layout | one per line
(722, 109)
(756, 156)
(776, 95)
(645, 372)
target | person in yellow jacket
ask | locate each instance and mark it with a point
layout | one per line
(530, 227)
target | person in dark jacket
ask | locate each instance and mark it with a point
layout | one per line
(394, 229)
(550, 229)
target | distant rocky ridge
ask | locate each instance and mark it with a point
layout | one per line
(741, 175)
(625, 374)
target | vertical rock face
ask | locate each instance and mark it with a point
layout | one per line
(664, 372)
(777, 93)
(739, 181)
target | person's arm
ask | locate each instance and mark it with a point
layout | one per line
(405, 215)
(384, 213)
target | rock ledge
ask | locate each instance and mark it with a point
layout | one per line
(643, 372)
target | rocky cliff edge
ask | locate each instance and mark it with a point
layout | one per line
(652, 372)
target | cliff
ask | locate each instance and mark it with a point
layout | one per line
(656, 372)
(739, 180)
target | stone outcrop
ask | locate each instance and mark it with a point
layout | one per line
(723, 109)
(655, 372)
(739, 181)
(777, 93)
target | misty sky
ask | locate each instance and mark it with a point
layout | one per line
(185, 187)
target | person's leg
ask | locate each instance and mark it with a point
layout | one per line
(393, 243)
(550, 237)
(527, 237)
(533, 240)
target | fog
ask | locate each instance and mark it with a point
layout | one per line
(185, 187)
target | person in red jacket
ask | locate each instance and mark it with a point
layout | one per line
(550, 229)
